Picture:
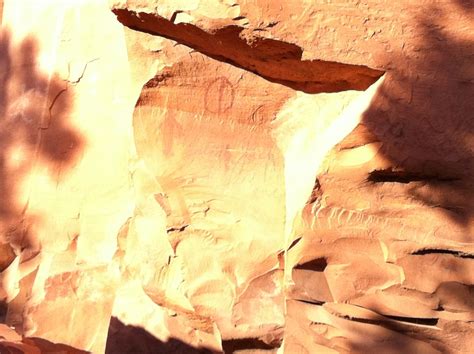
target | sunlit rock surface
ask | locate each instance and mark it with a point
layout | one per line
(241, 177)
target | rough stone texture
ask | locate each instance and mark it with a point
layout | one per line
(248, 177)
(65, 187)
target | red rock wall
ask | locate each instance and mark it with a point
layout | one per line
(204, 176)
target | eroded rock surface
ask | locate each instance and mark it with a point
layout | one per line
(238, 177)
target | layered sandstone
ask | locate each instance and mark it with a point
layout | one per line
(254, 176)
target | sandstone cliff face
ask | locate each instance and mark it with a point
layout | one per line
(239, 177)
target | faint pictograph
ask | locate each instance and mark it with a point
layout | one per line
(219, 96)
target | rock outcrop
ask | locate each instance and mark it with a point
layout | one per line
(238, 177)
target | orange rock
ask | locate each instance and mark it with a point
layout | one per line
(213, 176)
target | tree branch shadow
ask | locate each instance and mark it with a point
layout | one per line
(424, 116)
(36, 135)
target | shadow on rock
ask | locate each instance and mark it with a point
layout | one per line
(130, 339)
(423, 115)
(34, 135)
